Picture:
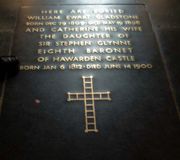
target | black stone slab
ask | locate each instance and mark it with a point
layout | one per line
(141, 122)
(52, 2)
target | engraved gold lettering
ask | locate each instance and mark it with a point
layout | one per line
(133, 29)
(52, 12)
(76, 66)
(43, 18)
(37, 29)
(75, 29)
(43, 59)
(109, 50)
(79, 11)
(112, 66)
(93, 66)
(120, 58)
(47, 36)
(109, 11)
(29, 67)
(44, 44)
(115, 17)
(56, 51)
(78, 17)
(73, 43)
(110, 29)
(114, 43)
(77, 59)
(93, 35)
(34, 23)
(49, 67)
(92, 38)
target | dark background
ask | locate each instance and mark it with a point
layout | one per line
(140, 123)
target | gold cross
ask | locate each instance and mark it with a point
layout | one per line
(89, 97)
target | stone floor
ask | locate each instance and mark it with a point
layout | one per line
(164, 15)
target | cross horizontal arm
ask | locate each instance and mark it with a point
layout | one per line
(101, 96)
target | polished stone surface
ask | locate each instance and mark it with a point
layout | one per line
(141, 122)
(37, 2)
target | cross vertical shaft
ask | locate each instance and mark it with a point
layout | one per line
(89, 105)
(89, 97)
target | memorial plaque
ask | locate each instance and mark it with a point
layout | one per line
(92, 85)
